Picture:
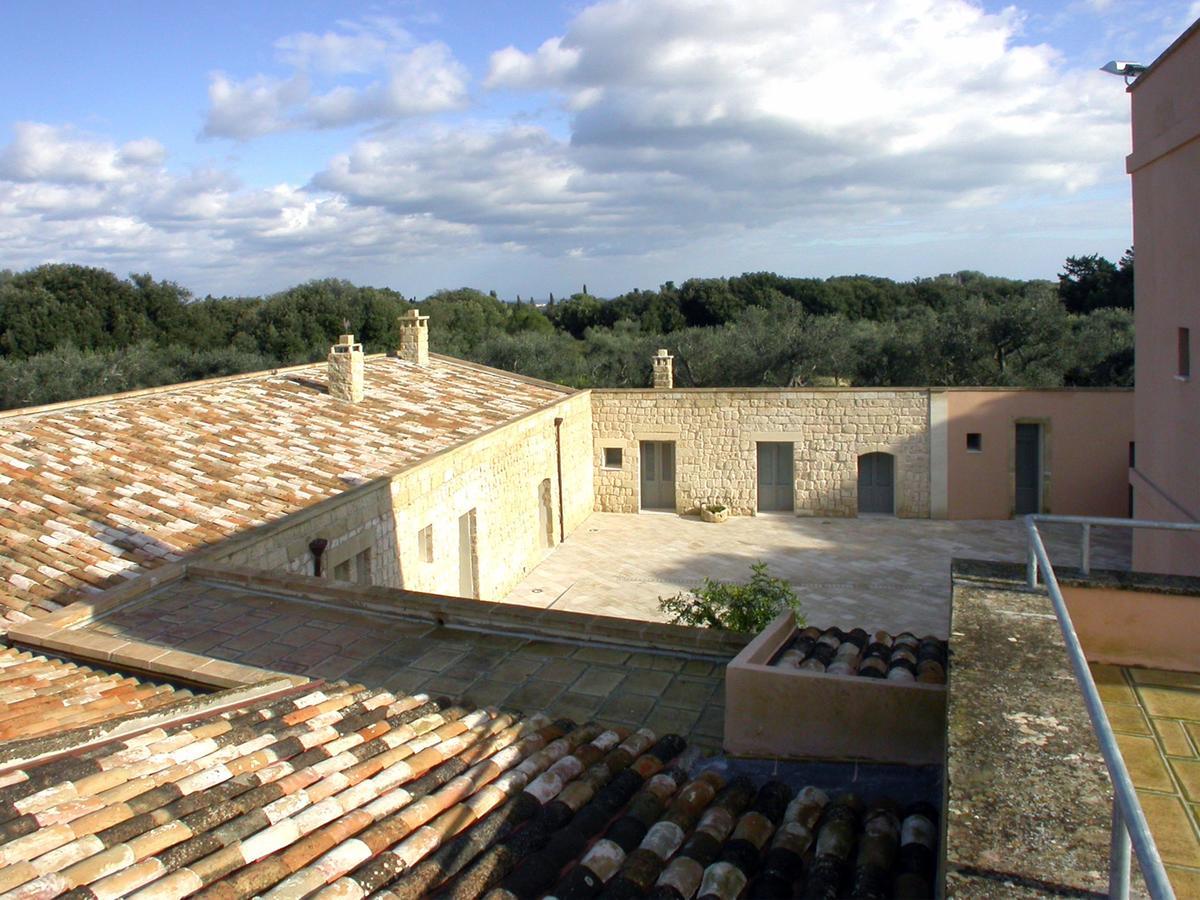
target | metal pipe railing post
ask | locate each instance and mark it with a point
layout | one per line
(1031, 562)
(1085, 549)
(1129, 820)
(1118, 856)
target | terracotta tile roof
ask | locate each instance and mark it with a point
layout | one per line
(901, 657)
(41, 696)
(340, 791)
(97, 492)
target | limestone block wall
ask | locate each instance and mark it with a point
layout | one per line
(499, 475)
(359, 519)
(716, 431)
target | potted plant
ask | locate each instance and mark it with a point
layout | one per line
(714, 512)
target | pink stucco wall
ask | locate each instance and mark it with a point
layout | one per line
(1085, 455)
(1165, 165)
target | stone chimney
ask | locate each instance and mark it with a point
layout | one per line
(664, 370)
(414, 337)
(346, 369)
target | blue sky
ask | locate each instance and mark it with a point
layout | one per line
(528, 148)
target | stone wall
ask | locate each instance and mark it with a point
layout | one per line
(499, 475)
(716, 432)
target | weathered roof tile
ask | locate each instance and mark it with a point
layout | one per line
(98, 492)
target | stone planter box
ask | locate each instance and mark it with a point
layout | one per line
(789, 713)
(708, 515)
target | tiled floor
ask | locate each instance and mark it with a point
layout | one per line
(871, 572)
(623, 687)
(1156, 717)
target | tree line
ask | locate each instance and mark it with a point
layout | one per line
(69, 331)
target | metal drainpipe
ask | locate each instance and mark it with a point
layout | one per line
(562, 527)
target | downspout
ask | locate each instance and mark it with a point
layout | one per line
(562, 526)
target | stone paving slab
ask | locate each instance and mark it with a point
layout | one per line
(872, 572)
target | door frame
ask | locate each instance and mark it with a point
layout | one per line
(673, 439)
(636, 468)
(1044, 447)
(791, 510)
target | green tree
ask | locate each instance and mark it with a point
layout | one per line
(1092, 282)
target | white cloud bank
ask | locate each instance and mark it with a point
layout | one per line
(414, 80)
(689, 120)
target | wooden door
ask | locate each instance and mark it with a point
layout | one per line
(1028, 470)
(876, 483)
(776, 484)
(658, 474)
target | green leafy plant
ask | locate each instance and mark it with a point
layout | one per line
(747, 608)
(715, 508)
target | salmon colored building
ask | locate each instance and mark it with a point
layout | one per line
(1011, 452)
(1165, 169)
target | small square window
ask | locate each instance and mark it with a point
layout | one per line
(613, 457)
(1184, 368)
(425, 543)
(974, 442)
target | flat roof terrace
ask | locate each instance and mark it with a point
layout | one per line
(239, 626)
(870, 572)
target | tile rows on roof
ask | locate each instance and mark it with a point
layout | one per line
(39, 696)
(344, 792)
(903, 657)
(97, 492)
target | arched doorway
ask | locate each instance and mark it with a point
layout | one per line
(877, 484)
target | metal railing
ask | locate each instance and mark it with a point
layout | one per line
(1128, 821)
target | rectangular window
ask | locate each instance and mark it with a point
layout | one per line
(425, 543)
(362, 567)
(974, 442)
(1184, 369)
(613, 457)
(1132, 454)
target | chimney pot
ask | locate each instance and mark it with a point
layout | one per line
(345, 377)
(414, 337)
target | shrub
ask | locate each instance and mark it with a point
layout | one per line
(735, 607)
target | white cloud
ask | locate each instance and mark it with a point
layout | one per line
(689, 124)
(695, 118)
(549, 65)
(415, 79)
(357, 49)
(41, 152)
(91, 201)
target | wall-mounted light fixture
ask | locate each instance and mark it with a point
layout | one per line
(1124, 68)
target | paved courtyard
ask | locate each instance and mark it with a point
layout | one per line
(872, 572)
